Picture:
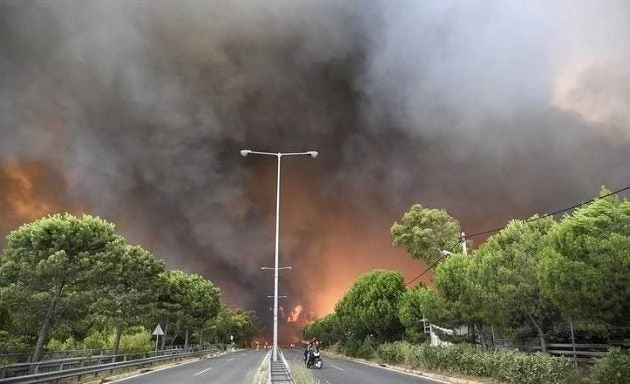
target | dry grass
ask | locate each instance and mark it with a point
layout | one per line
(301, 375)
(260, 376)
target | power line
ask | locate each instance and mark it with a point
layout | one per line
(527, 221)
(553, 213)
(444, 254)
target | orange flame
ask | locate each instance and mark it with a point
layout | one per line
(295, 314)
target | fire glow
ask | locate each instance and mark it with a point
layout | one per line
(28, 191)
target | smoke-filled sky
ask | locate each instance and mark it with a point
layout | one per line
(136, 111)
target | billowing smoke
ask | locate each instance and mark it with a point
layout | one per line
(136, 111)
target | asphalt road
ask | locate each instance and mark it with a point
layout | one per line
(342, 371)
(232, 368)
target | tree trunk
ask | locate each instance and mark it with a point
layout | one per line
(117, 340)
(482, 337)
(201, 339)
(186, 340)
(539, 331)
(43, 330)
(472, 333)
(575, 363)
(164, 336)
(174, 337)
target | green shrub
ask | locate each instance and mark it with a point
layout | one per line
(412, 355)
(509, 367)
(336, 348)
(367, 349)
(58, 345)
(522, 368)
(10, 343)
(350, 348)
(135, 341)
(95, 340)
(390, 353)
(614, 368)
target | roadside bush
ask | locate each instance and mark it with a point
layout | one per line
(614, 368)
(135, 341)
(509, 367)
(367, 350)
(522, 368)
(95, 340)
(391, 353)
(58, 345)
(351, 347)
(10, 343)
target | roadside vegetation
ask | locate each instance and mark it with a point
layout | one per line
(73, 283)
(535, 282)
(300, 374)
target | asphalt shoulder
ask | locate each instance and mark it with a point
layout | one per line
(433, 375)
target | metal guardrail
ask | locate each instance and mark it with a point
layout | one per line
(586, 353)
(279, 371)
(21, 369)
(96, 369)
(25, 356)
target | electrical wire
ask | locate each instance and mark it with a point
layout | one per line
(444, 254)
(552, 213)
(498, 229)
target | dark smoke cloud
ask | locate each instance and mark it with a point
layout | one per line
(490, 109)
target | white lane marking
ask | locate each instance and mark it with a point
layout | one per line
(334, 366)
(148, 372)
(204, 371)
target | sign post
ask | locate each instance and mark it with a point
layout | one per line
(157, 333)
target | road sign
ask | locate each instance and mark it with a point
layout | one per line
(231, 337)
(158, 331)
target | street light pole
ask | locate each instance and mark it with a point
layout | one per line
(276, 271)
(279, 156)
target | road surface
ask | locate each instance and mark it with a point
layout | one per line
(342, 371)
(232, 368)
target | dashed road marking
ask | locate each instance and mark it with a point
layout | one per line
(334, 366)
(204, 371)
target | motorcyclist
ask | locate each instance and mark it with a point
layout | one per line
(310, 348)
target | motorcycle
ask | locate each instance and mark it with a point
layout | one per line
(314, 359)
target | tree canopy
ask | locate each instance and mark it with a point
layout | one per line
(78, 282)
(58, 254)
(425, 232)
(587, 271)
(371, 305)
(505, 271)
